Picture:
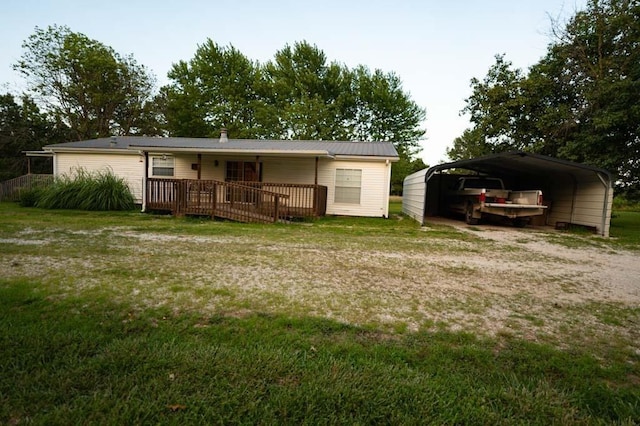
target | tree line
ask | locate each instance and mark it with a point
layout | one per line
(79, 88)
(580, 102)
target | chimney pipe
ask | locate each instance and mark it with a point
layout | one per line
(223, 135)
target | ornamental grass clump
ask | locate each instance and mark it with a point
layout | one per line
(83, 190)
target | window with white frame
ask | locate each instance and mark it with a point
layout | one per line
(348, 186)
(162, 166)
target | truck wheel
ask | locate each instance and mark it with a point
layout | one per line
(468, 215)
(520, 222)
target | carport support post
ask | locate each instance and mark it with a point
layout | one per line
(605, 207)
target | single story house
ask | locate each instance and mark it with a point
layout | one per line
(575, 193)
(211, 176)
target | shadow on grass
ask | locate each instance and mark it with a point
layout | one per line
(93, 361)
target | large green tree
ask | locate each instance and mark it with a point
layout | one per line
(85, 84)
(580, 102)
(23, 127)
(219, 87)
(310, 95)
(297, 95)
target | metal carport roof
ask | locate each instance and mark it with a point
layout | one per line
(520, 162)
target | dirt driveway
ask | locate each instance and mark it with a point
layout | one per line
(614, 275)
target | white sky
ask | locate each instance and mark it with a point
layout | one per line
(435, 46)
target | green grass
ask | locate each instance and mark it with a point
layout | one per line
(80, 360)
(625, 228)
(100, 326)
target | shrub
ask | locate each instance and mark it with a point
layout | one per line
(30, 197)
(101, 190)
(620, 202)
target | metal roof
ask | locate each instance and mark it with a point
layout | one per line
(519, 163)
(253, 146)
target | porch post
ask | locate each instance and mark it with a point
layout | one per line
(316, 178)
(315, 192)
(258, 171)
(145, 181)
(199, 166)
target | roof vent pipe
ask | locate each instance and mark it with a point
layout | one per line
(113, 142)
(223, 135)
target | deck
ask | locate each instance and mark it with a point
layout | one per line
(261, 202)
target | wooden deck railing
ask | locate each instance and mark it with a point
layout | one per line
(10, 190)
(241, 201)
(305, 200)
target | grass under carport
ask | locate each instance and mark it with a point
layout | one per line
(79, 348)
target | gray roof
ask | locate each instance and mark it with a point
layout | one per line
(348, 148)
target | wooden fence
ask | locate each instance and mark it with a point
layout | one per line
(10, 190)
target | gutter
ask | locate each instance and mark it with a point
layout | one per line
(38, 153)
(91, 150)
(272, 152)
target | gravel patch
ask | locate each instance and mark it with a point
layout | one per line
(500, 281)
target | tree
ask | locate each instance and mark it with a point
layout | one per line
(310, 95)
(602, 65)
(297, 95)
(384, 111)
(580, 102)
(219, 87)
(470, 144)
(495, 108)
(403, 168)
(84, 83)
(24, 128)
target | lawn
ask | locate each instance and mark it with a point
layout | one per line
(125, 318)
(625, 228)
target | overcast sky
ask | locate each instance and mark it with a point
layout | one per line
(435, 46)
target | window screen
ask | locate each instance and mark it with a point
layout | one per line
(348, 186)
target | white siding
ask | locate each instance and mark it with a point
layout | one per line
(584, 201)
(414, 191)
(289, 170)
(127, 166)
(376, 180)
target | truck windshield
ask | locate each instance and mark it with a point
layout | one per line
(483, 183)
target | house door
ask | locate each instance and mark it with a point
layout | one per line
(242, 171)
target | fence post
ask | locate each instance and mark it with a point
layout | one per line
(275, 207)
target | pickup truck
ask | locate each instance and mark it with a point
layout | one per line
(476, 197)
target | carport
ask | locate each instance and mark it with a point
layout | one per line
(576, 194)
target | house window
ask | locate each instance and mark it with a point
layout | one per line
(162, 166)
(348, 186)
